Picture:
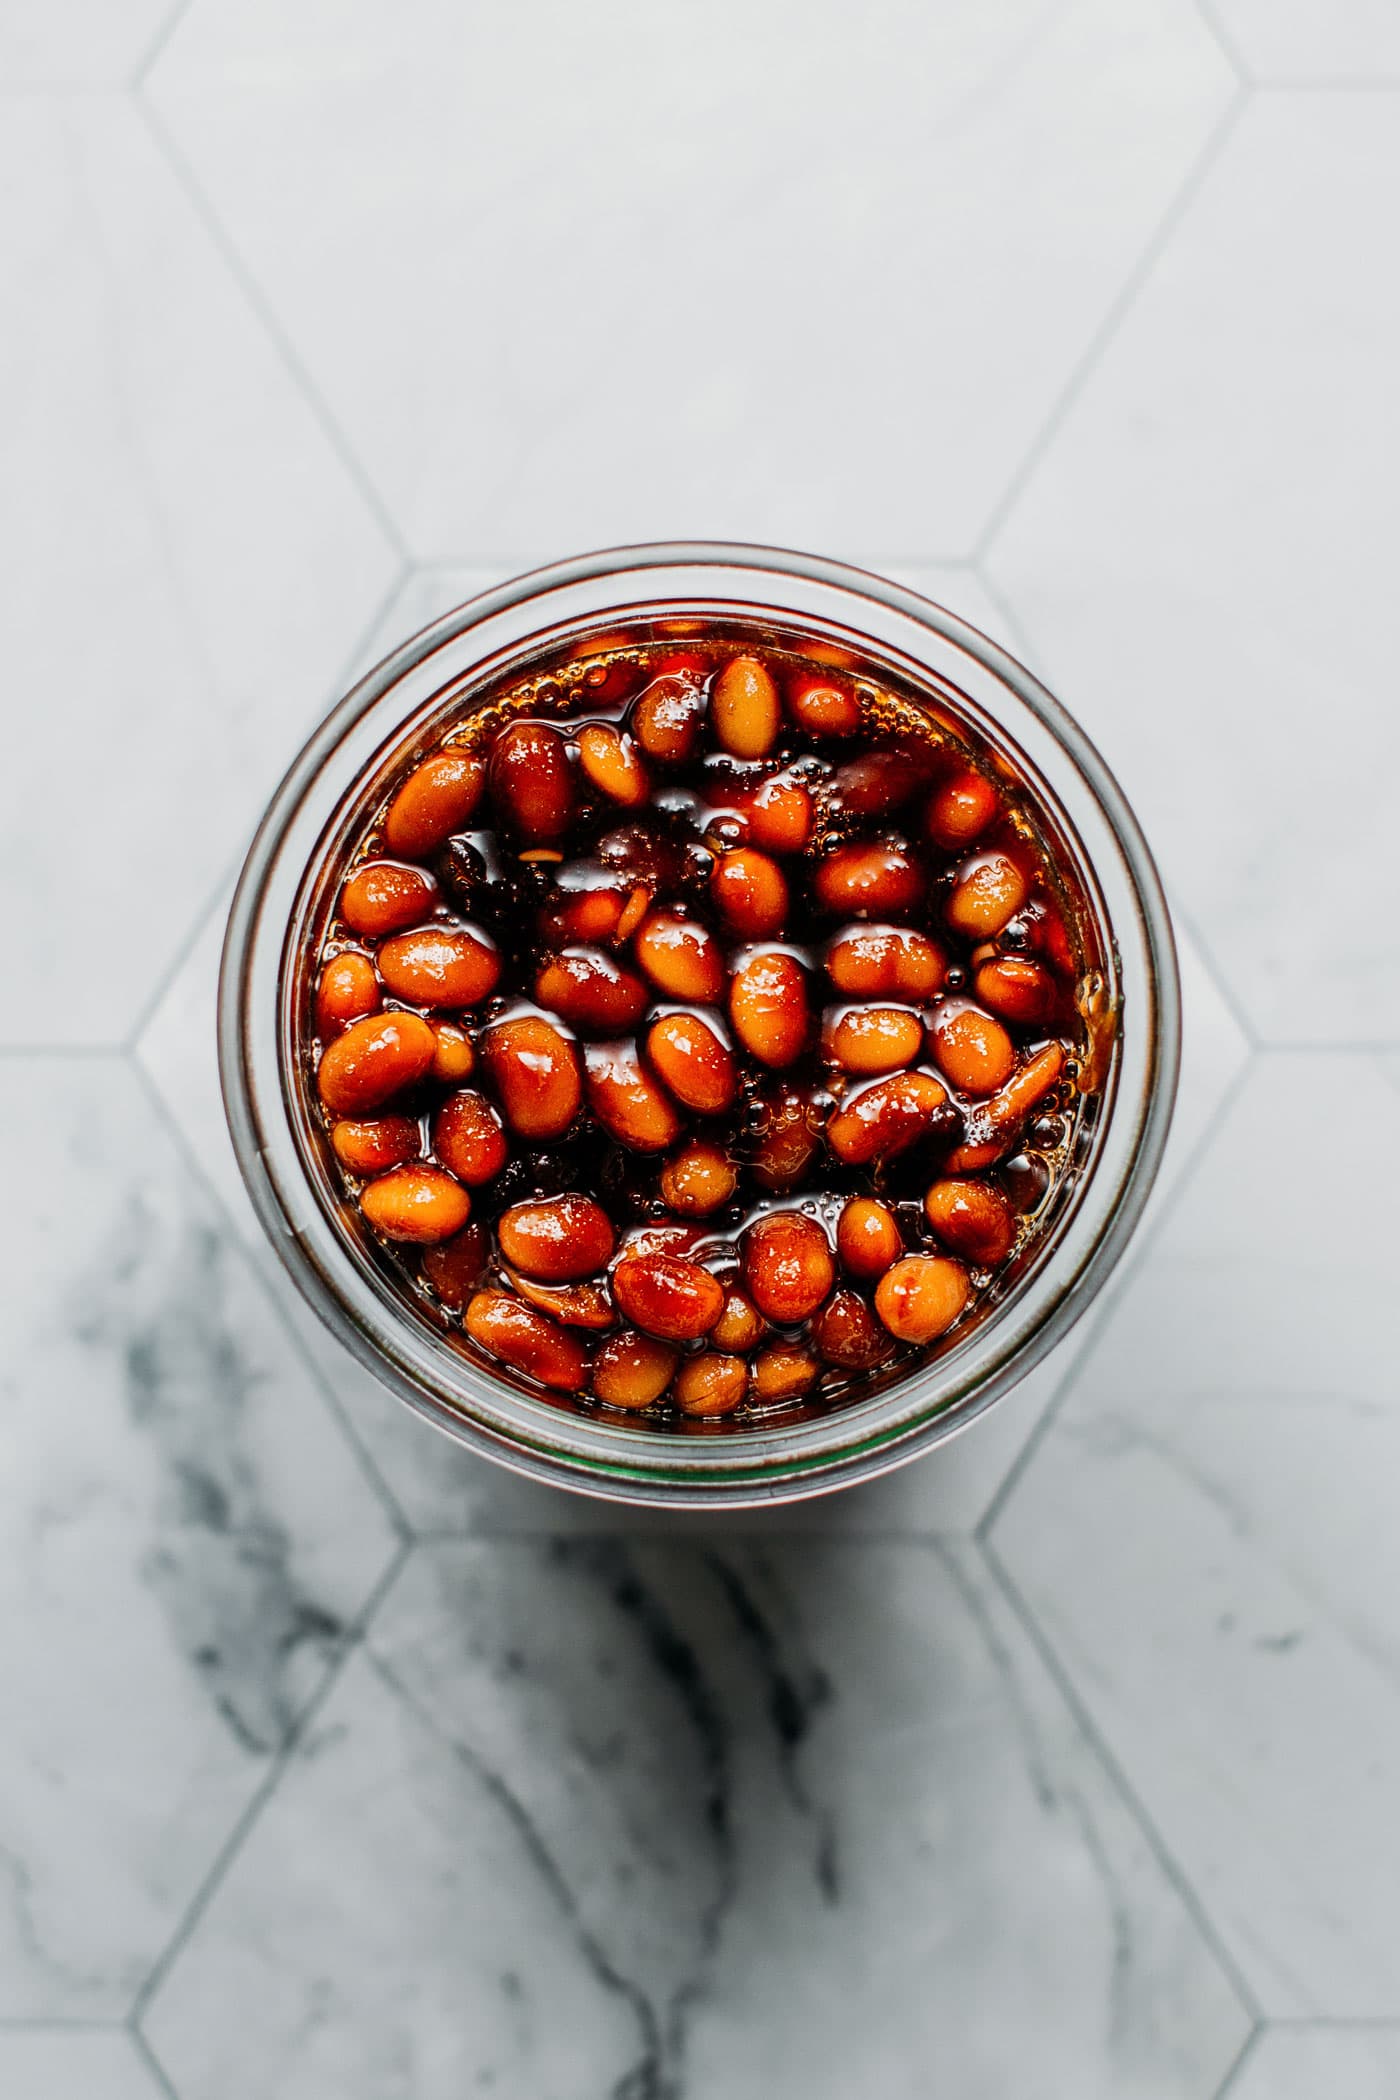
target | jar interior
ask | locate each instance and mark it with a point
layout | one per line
(546, 678)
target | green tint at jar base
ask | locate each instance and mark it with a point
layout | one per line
(293, 868)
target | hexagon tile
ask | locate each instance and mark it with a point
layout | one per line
(586, 1819)
(186, 560)
(469, 260)
(1321, 2063)
(77, 43)
(186, 1539)
(1314, 41)
(74, 2063)
(1201, 553)
(1207, 1535)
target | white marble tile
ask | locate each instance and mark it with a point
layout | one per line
(74, 2063)
(1202, 554)
(185, 1537)
(187, 562)
(78, 43)
(425, 594)
(1207, 1535)
(792, 274)
(1314, 40)
(591, 1819)
(1322, 2063)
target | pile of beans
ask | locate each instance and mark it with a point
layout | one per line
(696, 1029)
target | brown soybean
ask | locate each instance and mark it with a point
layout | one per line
(870, 1039)
(455, 1057)
(667, 1295)
(848, 1334)
(884, 1118)
(972, 1218)
(613, 764)
(453, 1268)
(383, 896)
(1020, 990)
(591, 991)
(788, 1138)
(374, 1146)
(921, 1296)
(572, 1304)
(557, 1240)
(627, 1101)
(668, 717)
(960, 810)
(787, 1266)
(750, 893)
(868, 1238)
(990, 890)
(681, 957)
(535, 1072)
(768, 1006)
(870, 881)
(441, 966)
(527, 1340)
(373, 1060)
(632, 1370)
(885, 962)
(468, 1138)
(710, 1384)
(437, 799)
(744, 710)
(693, 1061)
(349, 989)
(973, 1052)
(823, 709)
(741, 1326)
(698, 1179)
(779, 814)
(531, 782)
(784, 1373)
(417, 1203)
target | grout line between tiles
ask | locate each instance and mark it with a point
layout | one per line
(157, 46)
(1114, 1293)
(233, 1844)
(1109, 326)
(1384, 84)
(1334, 2023)
(1247, 2049)
(1163, 1854)
(229, 874)
(47, 1050)
(374, 1479)
(60, 2023)
(1223, 988)
(1225, 43)
(277, 335)
(152, 2062)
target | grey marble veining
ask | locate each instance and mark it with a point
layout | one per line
(1208, 1535)
(587, 1818)
(185, 1539)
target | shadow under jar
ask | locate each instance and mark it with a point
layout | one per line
(699, 1023)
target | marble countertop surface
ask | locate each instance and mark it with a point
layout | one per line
(1064, 1765)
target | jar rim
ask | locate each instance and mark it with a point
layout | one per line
(858, 1438)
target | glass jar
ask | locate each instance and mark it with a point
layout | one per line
(291, 870)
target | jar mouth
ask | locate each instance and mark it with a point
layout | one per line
(284, 886)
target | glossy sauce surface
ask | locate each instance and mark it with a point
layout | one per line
(700, 1030)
